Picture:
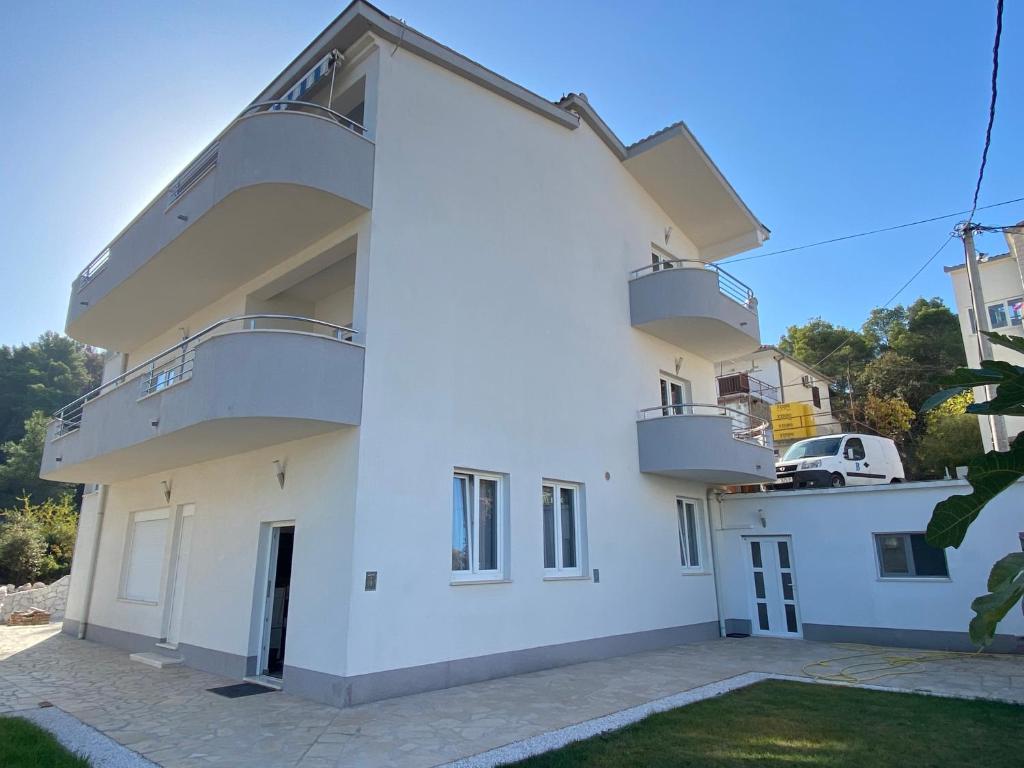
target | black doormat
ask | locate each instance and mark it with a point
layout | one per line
(240, 689)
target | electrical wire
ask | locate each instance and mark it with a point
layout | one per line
(737, 259)
(991, 107)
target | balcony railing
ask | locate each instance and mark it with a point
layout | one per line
(174, 365)
(206, 161)
(741, 383)
(729, 285)
(745, 426)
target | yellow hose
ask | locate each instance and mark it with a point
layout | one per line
(872, 664)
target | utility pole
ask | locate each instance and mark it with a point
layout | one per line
(997, 425)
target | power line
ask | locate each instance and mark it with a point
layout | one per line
(737, 259)
(991, 107)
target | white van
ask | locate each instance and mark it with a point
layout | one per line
(838, 460)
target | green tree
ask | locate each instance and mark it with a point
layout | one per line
(894, 375)
(43, 376)
(19, 474)
(831, 349)
(883, 327)
(22, 551)
(888, 416)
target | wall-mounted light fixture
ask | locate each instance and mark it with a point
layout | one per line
(668, 234)
(279, 471)
(167, 490)
(761, 516)
(155, 423)
(182, 217)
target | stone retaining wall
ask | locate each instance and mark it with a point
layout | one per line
(52, 598)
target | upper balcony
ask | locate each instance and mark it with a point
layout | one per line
(241, 384)
(283, 175)
(695, 305)
(707, 443)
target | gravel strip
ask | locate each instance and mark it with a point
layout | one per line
(546, 742)
(101, 751)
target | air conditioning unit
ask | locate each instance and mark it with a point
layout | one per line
(807, 381)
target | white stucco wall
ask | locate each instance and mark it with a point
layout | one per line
(499, 339)
(836, 568)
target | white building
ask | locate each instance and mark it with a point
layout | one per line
(767, 376)
(413, 385)
(1002, 295)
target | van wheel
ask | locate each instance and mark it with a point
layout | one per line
(896, 480)
(837, 480)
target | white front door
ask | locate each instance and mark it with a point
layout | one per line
(774, 608)
(182, 550)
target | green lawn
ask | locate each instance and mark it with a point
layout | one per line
(780, 723)
(25, 745)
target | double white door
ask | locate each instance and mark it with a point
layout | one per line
(774, 607)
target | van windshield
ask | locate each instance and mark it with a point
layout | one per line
(825, 446)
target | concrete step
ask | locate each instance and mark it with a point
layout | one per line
(157, 660)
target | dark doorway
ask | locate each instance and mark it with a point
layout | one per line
(281, 570)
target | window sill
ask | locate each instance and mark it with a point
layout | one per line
(566, 577)
(933, 579)
(133, 601)
(479, 580)
(695, 572)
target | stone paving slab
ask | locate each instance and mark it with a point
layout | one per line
(169, 717)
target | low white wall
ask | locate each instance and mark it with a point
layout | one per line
(837, 577)
(53, 598)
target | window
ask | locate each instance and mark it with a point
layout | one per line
(997, 316)
(144, 556)
(902, 555)
(691, 534)
(674, 392)
(563, 529)
(854, 450)
(660, 261)
(1016, 307)
(478, 525)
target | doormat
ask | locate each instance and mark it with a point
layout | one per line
(240, 689)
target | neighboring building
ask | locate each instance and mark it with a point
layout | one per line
(767, 376)
(1002, 292)
(410, 386)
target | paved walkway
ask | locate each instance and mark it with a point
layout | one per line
(169, 716)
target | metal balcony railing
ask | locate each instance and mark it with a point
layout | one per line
(745, 426)
(174, 365)
(728, 285)
(206, 161)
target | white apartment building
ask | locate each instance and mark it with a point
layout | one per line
(1002, 295)
(411, 384)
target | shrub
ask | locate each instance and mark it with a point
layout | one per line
(22, 551)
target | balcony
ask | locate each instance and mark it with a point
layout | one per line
(243, 383)
(280, 177)
(707, 443)
(696, 306)
(742, 385)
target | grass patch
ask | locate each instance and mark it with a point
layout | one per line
(781, 723)
(26, 745)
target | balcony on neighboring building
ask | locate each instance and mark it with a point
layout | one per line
(282, 176)
(742, 385)
(243, 383)
(695, 305)
(707, 443)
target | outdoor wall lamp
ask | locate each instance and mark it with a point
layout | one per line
(182, 217)
(761, 516)
(167, 490)
(279, 470)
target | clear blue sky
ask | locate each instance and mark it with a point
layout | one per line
(827, 117)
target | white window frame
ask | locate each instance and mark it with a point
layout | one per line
(142, 516)
(666, 382)
(475, 574)
(700, 534)
(908, 552)
(579, 521)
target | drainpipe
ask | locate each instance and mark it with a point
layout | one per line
(717, 493)
(91, 573)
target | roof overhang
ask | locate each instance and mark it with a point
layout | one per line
(676, 171)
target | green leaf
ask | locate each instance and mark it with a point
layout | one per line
(940, 397)
(988, 475)
(1016, 343)
(974, 377)
(1006, 589)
